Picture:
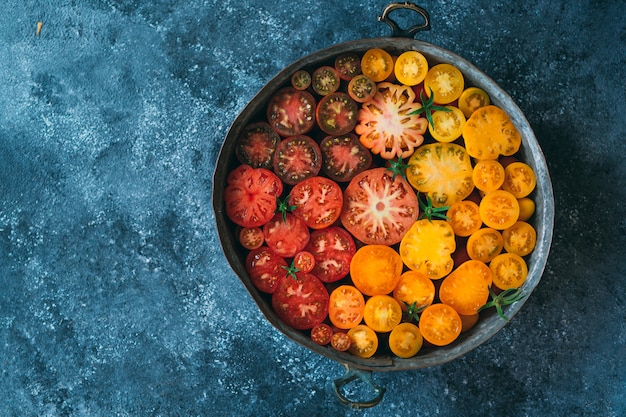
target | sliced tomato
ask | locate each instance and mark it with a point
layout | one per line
(440, 324)
(386, 124)
(499, 209)
(414, 288)
(301, 302)
(485, 244)
(317, 201)
(265, 268)
(348, 65)
(428, 247)
(405, 340)
(291, 112)
(466, 288)
(322, 334)
(376, 269)
(378, 208)
(364, 341)
(286, 236)
(377, 64)
(333, 249)
(297, 158)
(325, 80)
(346, 306)
(446, 82)
(343, 157)
(489, 133)
(336, 114)
(340, 341)
(411, 68)
(301, 80)
(251, 237)
(464, 217)
(488, 175)
(519, 179)
(256, 145)
(250, 195)
(509, 271)
(472, 99)
(361, 88)
(447, 125)
(304, 261)
(520, 238)
(382, 313)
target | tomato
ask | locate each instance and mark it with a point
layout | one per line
(343, 157)
(443, 171)
(440, 324)
(301, 80)
(256, 145)
(291, 112)
(447, 125)
(509, 270)
(382, 313)
(466, 289)
(364, 341)
(377, 208)
(321, 334)
(489, 133)
(346, 307)
(325, 80)
(297, 158)
(410, 68)
(520, 238)
(386, 125)
(472, 99)
(301, 302)
(251, 237)
(484, 244)
(446, 83)
(375, 269)
(464, 217)
(499, 209)
(340, 341)
(428, 248)
(519, 179)
(348, 65)
(336, 114)
(414, 288)
(377, 64)
(304, 261)
(265, 268)
(332, 249)
(361, 88)
(317, 201)
(488, 175)
(405, 340)
(286, 236)
(250, 195)
(526, 208)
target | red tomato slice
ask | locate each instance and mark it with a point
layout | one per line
(256, 145)
(286, 236)
(250, 195)
(343, 157)
(333, 249)
(265, 269)
(377, 208)
(336, 114)
(348, 65)
(325, 80)
(301, 302)
(318, 201)
(322, 334)
(291, 112)
(297, 158)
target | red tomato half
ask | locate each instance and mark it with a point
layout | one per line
(286, 236)
(297, 158)
(343, 157)
(336, 114)
(265, 268)
(256, 145)
(318, 201)
(332, 249)
(301, 302)
(291, 112)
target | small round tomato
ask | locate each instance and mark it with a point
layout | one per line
(447, 125)
(382, 313)
(526, 208)
(488, 175)
(472, 99)
(428, 248)
(446, 83)
(332, 249)
(256, 145)
(378, 208)
(291, 112)
(301, 302)
(343, 157)
(336, 114)
(317, 201)
(509, 270)
(440, 324)
(519, 179)
(485, 244)
(364, 341)
(348, 65)
(405, 340)
(250, 195)
(340, 341)
(346, 307)
(286, 235)
(265, 269)
(499, 209)
(466, 289)
(376, 269)
(520, 238)
(251, 237)
(304, 261)
(361, 88)
(414, 288)
(325, 80)
(297, 158)
(464, 217)
(377, 64)
(410, 68)
(321, 334)
(301, 80)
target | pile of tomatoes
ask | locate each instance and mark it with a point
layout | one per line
(380, 199)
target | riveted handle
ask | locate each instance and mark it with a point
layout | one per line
(396, 30)
(366, 378)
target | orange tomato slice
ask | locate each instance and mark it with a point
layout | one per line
(414, 287)
(411, 68)
(405, 340)
(446, 82)
(499, 209)
(345, 307)
(464, 217)
(382, 313)
(508, 271)
(484, 244)
(520, 238)
(466, 289)
(440, 324)
(488, 175)
(377, 64)
(489, 133)
(363, 341)
(376, 269)
(519, 179)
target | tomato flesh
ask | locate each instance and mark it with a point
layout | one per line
(346, 306)
(301, 302)
(265, 268)
(256, 145)
(343, 157)
(286, 236)
(348, 65)
(336, 114)
(332, 249)
(325, 80)
(291, 112)
(318, 201)
(297, 158)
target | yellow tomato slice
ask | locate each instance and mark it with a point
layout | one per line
(405, 340)
(446, 83)
(488, 175)
(427, 248)
(447, 126)
(377, 64)
(520, 238)
(499, 209)
(411, 68)
(363, 341)
(472, 99)
(484, 244)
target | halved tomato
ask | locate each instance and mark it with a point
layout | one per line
(286, 234)
(256, 145)
(446, 82)
(336, 114)
(499, 209)
(377, 64)
(348, 65)
(466, 288)
(509, 270)
(346, 307)
(332, 249)
(382, 313)
(265, 269)
(489, 133)
(304, 261)
(472, 99)
(363, 341)
(488, 175)
(301, 80)
(447, 125)
(484, 244)
(322, 334)
(343, 157)
(291, 112)
(405, 340)
(519, 179)
(297, 158)
(414, 288)
(251, 237)
(375, 269)
(340, 341)
(411, 68)
(361, 88)
(464, 217)
(325, 80)
(378, 208)
(317, 201)
(428, 248)
(440, 324)
(520, 238)
(301, 302)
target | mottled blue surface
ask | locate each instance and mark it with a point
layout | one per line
(115, 298)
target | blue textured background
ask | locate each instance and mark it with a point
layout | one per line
(115, 297)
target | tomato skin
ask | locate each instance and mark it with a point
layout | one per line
(346, 307)
(322, 334)
(325, 80)
(336, 114)
(318, 201)
(364, 341)
(301, 303)
(291, 112)
(333, 249)
(265, 268)
(440, 324)
(256, 145)
(286, 236)
(405, 340)
(526, 208)
(343, 157)
(297, 158)
(376, 269)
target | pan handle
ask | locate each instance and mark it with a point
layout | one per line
(396, 31)
(365, 377)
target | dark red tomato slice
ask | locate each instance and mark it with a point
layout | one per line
(325, 80)
(333, 249)
(291, 112)
(361, 88)
(337, 114)
(297, 158)
(321, 334)
(348, 65)
(256, 145)
(251, 237)
(286, 236)
(343, 157)
(317, 201)
(340, 341)
(301, 80)
(265, 269)
(301, 302)
(379, 209)
(250, 195)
